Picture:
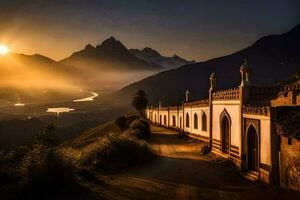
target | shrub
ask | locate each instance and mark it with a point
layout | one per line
(46, 137)
(119, 151)
(122, 123)
(46, 173)
(131, 117)
(140, 129)
(8, 172)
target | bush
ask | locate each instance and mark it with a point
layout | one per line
(8, 172)
(10, 163)
(119, 151)
(46, 136)
(140, 129)
(46, 173)
(122, 123)
(131, 117)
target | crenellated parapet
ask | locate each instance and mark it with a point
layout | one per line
(256, 110)
(290, 87)
(227, 94)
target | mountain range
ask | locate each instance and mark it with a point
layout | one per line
(110, 55)
(107, 66)
(272, 59)
(152, 56)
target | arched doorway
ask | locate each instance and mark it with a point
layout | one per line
(225, 130)
(195, 121)
(204, 122)
(187, 123)
(252, 149)
(174, 120)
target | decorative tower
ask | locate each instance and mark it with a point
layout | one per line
(245, 74)
(187, 95)
(243, 98)
(213, 81)
(213, 87)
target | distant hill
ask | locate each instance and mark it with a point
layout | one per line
(272, 59)
(34, 77)
(152, 56)
(110, 55)
(17, 132)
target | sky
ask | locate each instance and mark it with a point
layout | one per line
(194, 29)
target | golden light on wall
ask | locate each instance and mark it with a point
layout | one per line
(3, 49)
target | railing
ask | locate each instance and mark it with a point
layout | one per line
(228, 94)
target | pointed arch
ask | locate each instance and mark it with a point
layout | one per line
(174, 120)
(195, 121)
(204, 121)
(187, 120)
(225, 127)
(253, 147)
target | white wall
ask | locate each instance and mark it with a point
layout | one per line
(199, 111)
(233, 109)
(265, 137)
(163, 114)
(155, 118)
(265, 144)
(173, 113)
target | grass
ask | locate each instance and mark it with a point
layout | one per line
(47, 170)
(140, 129)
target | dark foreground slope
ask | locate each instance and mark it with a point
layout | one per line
(272, 59)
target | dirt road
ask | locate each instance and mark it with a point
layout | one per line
(181, 172)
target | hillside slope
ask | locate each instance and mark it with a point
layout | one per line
(272, 59)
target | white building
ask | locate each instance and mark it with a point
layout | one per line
(237, 123)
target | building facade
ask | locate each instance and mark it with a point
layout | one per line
(237, 123)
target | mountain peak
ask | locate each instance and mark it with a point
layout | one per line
(111, 44)
(176, 56)
(89, 47)
(151, 51)
(111, 39)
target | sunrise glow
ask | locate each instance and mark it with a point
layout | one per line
(3, 49)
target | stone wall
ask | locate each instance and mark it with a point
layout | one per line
(290, 163)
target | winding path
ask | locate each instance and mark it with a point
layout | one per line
(181, 172)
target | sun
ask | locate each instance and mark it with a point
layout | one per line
(3, 49)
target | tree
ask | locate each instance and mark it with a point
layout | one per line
(140, 102)
(46, 136)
